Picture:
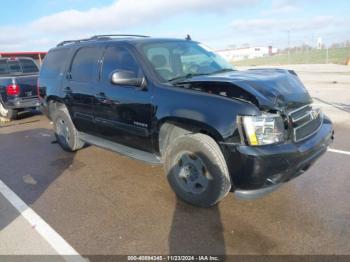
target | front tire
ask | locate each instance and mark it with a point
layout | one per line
(196, 170)
(66, 133)
(9, 114)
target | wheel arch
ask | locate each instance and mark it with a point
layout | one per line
(54, 103)
(170, 128)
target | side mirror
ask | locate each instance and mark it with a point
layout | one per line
(127, 78)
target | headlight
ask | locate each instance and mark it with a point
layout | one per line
(264, 129)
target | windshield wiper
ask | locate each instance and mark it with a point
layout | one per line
(221, 71)
(183, 77)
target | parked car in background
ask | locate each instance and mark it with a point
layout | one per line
(175, 102)
(18, 86)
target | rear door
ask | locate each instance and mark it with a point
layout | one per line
(80, 87)
(52, 72)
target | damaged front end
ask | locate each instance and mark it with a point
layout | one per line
(220, 88)
(283, 101)
(278, 144)
(268, 89)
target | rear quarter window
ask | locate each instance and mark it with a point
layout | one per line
(54, 63)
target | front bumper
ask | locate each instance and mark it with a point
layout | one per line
(256, 171)
(21, 103)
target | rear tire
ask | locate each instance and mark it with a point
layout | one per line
(9, 114)
(196, 170)
(66, 133)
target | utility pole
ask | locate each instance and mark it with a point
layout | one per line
(288, 46)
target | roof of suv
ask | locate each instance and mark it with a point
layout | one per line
(132, 39)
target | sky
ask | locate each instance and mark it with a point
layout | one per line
(38, 25)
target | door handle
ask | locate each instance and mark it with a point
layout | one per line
(103, 99)
(69, 75)
(101, 95)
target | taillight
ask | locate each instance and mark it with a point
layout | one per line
(13, 90)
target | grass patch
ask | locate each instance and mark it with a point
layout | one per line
(335, 56)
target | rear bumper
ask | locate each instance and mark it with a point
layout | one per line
(21, 103)
(256, 171)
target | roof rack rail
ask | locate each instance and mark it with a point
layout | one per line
(97, 37)
(73, 41)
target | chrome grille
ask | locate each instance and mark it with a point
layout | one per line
(306, 121)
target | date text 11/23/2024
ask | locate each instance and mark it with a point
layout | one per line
(175, 258)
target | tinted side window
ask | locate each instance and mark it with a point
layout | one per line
(118, 58)
(28, 66)
(54, 63)
(84, 64)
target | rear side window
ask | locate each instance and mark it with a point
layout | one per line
(54, 63)
(84, 64)
(28, 66)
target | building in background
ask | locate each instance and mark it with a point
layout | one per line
(236, 54)
(319, 43)
(37, 56)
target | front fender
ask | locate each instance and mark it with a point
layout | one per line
(215, 114)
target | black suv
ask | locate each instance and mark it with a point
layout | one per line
(175, 102)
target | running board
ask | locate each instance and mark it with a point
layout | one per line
(121, 149)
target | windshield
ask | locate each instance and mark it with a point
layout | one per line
(176, 61)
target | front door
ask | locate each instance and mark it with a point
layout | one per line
(123, 113)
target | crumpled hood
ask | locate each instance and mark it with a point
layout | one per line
(272, 88)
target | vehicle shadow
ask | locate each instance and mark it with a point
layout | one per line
(27, 114)
(201, 231)
(196, 231)
(30, 162)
